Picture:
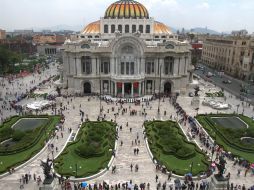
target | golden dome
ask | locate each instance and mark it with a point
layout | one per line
(92, 28)
(160, 28)
(126, 9)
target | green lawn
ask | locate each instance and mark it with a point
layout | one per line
(21, 154)
(230, 137)
(90, 151)
(171, 148)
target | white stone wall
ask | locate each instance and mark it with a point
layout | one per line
(76, 78)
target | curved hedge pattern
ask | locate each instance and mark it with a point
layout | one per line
(28, 145)
(230, 139)
(169, 145)
(89, 152)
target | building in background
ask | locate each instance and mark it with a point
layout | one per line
(2, 34)
(49, 45)
(126, 54)
(232, 54)
(19, 44)
(48, 39)
(22, 33)
(196, 52)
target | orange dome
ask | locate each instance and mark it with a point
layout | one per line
(92, 28)
(126, 9)
(160, 28)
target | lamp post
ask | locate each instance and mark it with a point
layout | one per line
(159, 92)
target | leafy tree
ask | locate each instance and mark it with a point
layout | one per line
(194, 61)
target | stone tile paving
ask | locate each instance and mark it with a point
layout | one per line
(124, 155)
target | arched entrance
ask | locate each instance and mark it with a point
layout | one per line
(167, 88)
(87, 88)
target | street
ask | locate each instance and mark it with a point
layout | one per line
(234, 87)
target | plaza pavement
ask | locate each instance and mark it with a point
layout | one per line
(124, 154)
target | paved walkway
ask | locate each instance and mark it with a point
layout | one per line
(125, 155)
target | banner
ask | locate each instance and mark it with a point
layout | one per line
(119, 85)
(135, 85)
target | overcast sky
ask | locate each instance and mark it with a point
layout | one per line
(220, 15)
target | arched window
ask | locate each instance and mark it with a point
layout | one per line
(134, 29)
(113, 28)
(141, 29)
(147, 29)
(86, 63)
(105, 28)
(127, 28)
(120, 28)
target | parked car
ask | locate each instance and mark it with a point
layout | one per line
(209, 74)
(227, 81)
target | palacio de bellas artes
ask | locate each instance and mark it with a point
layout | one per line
(126, 54)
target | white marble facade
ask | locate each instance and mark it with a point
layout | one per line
(125, 64)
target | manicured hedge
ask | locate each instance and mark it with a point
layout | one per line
(90, 150)
(29, 138)
(230, 138)
(13, 159)
(169, 145)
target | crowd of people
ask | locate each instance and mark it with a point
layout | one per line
(118, 108)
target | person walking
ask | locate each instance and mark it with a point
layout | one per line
(156, 178)
(131, 167)
(169, 175)
(136, 168)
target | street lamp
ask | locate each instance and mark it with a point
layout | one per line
(159, 92)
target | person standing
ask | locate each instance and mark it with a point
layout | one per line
(156, 178)
(131, 167)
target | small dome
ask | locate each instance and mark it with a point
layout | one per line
(126, 9)
(160, 28)
(92, 28)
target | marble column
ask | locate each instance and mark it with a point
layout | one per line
(142, 65)
(132, 89)
(144, 87)
(139, 88)
(123, 89)
(115, 89)
(78, 61)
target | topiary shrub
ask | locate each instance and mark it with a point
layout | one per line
(18, 135)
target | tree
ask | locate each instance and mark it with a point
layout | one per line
(8, 60)
(194, 61)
